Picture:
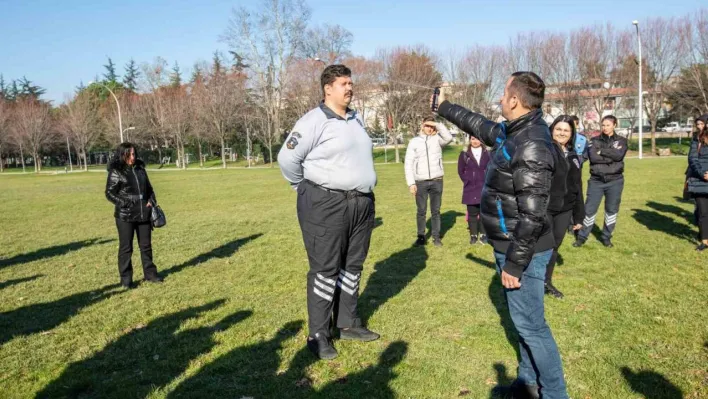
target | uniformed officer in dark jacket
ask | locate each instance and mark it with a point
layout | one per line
(606, 153)
(328, 159)
(513, 209)
(129, 189)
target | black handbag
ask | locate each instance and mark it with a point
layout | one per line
(158, 217)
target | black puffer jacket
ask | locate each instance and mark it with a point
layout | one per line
(607, 157)
(517, 185)
(574, 194)
(129, 189)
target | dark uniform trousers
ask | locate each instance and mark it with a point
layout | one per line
(612, 191)
(336, 228)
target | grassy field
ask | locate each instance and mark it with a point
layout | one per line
(230, 320)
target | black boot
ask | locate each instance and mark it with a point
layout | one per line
(553, 291)
(420, 241)
(473, 239)
(321, 346)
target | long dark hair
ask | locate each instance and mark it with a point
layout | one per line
(570, 121)
(703, 118)
(121, 153)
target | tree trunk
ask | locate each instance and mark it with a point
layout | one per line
(159, 154)
(201, 158)
(270, 153)
(223, 153)
(653, 137)
(22, 158)
(184, 157)
(37, 162)
(395, 146)
(2, 166)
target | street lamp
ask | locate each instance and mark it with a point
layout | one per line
(318, 59)
(120, 120)
(125, 130)
(641, 105)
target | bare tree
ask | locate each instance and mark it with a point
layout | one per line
(4, 130)
(79, 122)
(32, 125)
(219, 100)
(664, 51)
(408, 73)
(691, 89)
(176, 105)
(268, 40)
(563, 77)
(367, 77)
(479, 79)
(330, 43)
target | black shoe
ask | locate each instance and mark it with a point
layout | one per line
(437, 242)
(420, 241)
(321, 346)
(473, 240)
(701, 247)
(483, 239)
(128, 286)
(154, 279)
(553, 291)
(607, 243)
(358, 334)
(520, 390)
(579, 243)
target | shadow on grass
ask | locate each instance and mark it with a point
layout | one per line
(378, 222)
(225, 251)
(447, 221)
(657, 222)
(371, 382)
(50, 252)
(651, 385)
(503, 388)
(250, 371)
(41, 317)
(144, 359)
(390, 277)
(689, 217)
(9, 283)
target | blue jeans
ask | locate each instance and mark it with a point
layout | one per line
(540, 361)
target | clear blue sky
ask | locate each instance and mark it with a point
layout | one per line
(58, 44)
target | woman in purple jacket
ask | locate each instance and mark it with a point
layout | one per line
(471, 166)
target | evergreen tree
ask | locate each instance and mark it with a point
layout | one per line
(110, 75)
(81, 87)
(197, 74)
(28, 89)
(130, 79)
(3, 88)
(217, 64)
(176, 76)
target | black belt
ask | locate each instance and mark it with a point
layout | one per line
(347, 193)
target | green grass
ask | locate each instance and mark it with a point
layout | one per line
(230, 320)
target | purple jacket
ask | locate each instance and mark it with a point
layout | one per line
(472, 176)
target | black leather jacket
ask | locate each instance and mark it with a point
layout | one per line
(607, 157)
(517, 184)
(130, 190)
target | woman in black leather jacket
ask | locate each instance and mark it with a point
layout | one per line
(129, 189)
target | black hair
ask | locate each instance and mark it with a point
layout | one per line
(331, 73)
(121, 153)
(529, 88)
(610, 118)
(569, 120)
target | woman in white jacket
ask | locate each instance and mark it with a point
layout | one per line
(424, 174)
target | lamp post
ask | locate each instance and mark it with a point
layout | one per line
(125, 130)
(120, 120)
(641, 105)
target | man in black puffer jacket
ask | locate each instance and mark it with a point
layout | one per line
(513, 209)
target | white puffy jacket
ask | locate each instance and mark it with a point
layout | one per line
(424, 155)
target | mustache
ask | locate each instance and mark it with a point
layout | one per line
(349, 93)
